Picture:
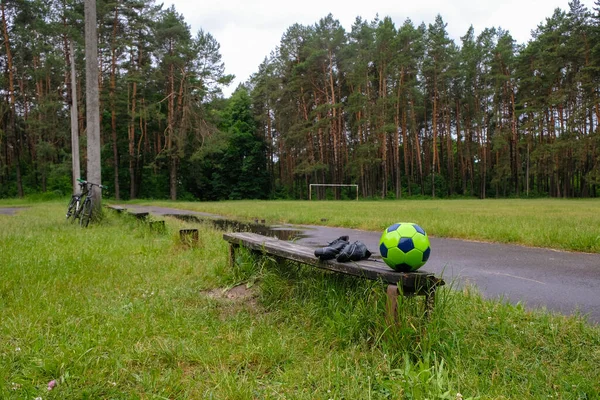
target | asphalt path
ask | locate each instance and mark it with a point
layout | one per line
(565, 282)
(9, 210)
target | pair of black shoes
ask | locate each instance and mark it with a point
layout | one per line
(343, 251)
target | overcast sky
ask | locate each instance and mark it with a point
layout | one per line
(248, 30)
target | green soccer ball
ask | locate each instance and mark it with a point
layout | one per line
(405, 247)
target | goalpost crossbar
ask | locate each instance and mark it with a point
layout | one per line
(310, 186)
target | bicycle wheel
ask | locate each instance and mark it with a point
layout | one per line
(86, 213)
(72, 208)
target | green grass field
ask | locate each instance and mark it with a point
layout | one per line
(117, 311)
(553, 223)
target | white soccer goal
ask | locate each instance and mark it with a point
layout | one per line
(310, 186)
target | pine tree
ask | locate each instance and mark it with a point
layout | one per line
(435, 70)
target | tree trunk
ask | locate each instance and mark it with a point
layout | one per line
(383, 135)
(449, 153)
(435, 134)
(417, 141)
(11, 93)
(335, 131)
(171, 148)
(113, 105)
(515, 139)
(132, 191)
(74, 123)
(400, 120)
(94, 172)
(459, 150)
(405, 146)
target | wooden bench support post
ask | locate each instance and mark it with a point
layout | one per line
(188, 236)
(392, 302)
(158, 226)
(392, 305)
(118, 209)
(430, 301)
(232, 248)
(140, 215)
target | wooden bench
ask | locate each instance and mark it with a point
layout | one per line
(118, 209)
(141, 215)
(406, 283)
(155, 226)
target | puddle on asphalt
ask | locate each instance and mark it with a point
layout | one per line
(228, 225)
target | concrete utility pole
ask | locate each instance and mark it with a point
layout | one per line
(94, 173)
(74, 122)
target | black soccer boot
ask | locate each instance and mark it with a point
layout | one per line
(354, 252)
(332, 249)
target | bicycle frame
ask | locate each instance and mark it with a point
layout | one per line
(75, 205)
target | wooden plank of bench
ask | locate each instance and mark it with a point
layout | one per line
(118, 209)
(139, 214)
(135, 213)
(369, 269)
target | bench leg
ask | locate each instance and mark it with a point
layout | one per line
(429, 302)
(232, 248)
(392, 305)
(188, 236)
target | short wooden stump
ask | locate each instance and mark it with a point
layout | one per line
(189, 236)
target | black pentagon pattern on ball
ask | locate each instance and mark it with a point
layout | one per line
(383, 250)
(419, 229)
(403, 267)
(426, 254)
(393, 228)
(406, 244)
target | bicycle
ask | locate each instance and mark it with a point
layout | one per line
(74, 207)
(81, 205)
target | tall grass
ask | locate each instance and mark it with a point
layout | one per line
(120, 311)
(552, 223)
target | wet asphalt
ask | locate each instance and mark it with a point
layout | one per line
(564, 282)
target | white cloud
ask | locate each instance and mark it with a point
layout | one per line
(250, 30)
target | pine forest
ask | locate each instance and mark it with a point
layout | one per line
(396, 107)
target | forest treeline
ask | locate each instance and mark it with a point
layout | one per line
(399, 109)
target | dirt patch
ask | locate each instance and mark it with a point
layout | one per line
(235, 299)
(240, 292)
